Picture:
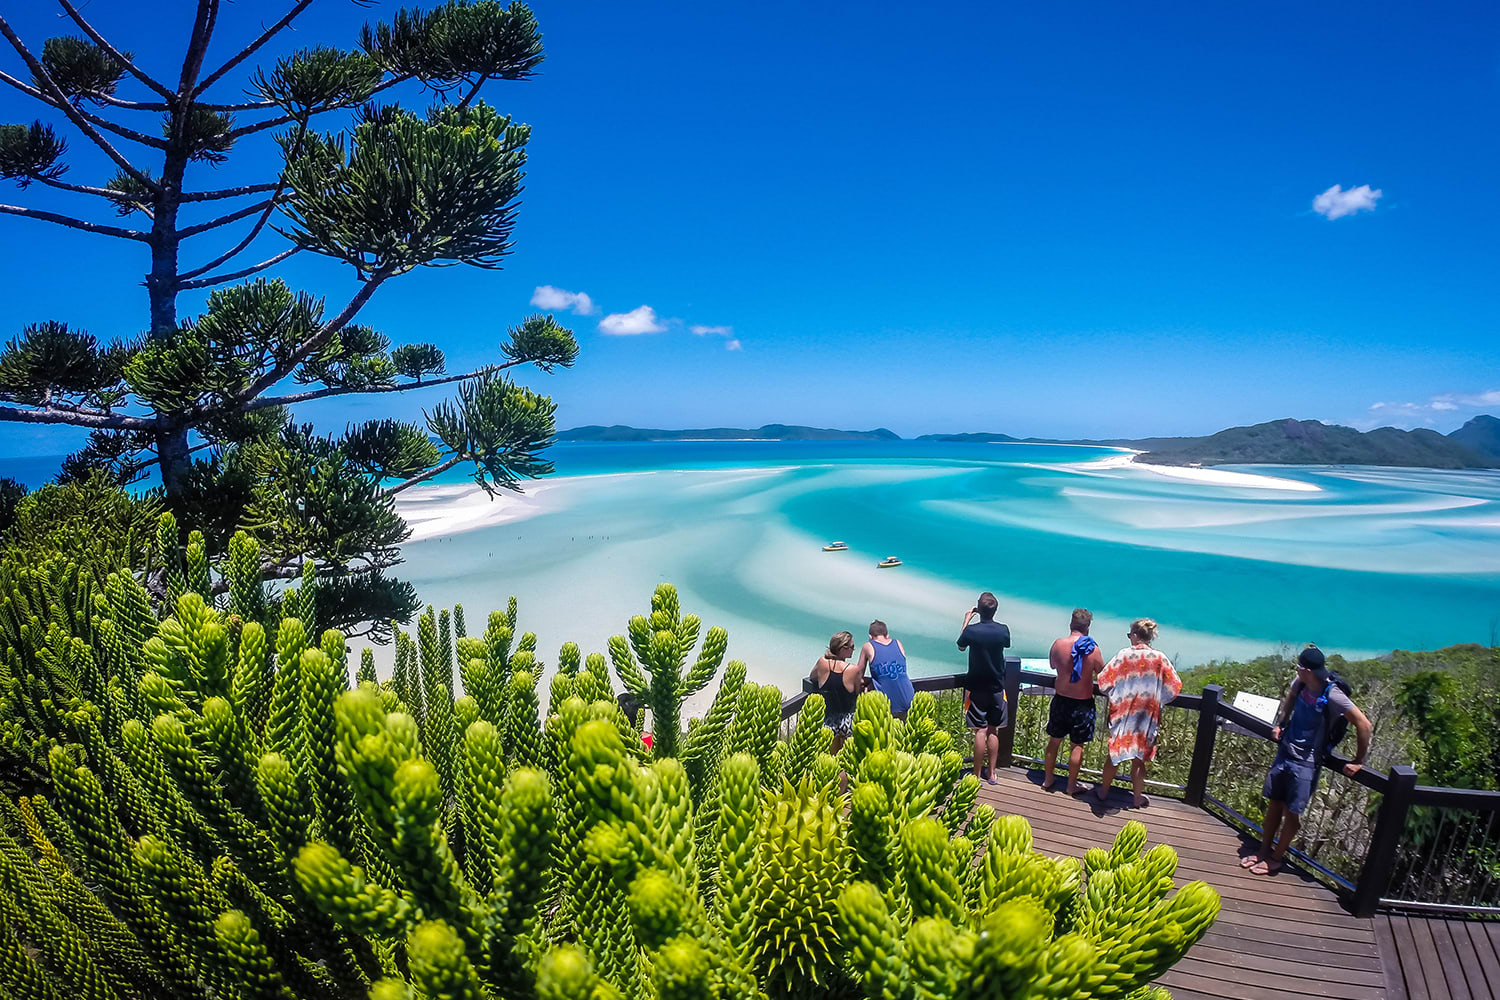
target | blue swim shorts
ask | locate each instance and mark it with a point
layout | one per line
(1292, 782)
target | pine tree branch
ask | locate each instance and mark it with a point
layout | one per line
(261, 126)
(423, 477)
(335, 390)
(192, 63)
(473, 91)
(260, 223)
(238, 248)
(72, 223)
(78, 418)
(225, 220)
(249, 50)
(242, 106)
(219, 279)
(59, 100)
(119, 57)
(104, 123)
(311, 344)
(124, 105)
(82, 188)
(233, 192)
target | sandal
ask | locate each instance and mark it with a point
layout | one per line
(1269, 867)
(1250, 861)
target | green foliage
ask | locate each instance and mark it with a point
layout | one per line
(385, 190)
(31, 153)
(257, 828)
(654, 675)
(81, 69)
(409, 191)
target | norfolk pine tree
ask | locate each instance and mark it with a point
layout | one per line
(207, 400)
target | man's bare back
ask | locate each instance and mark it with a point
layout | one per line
(1061, 658)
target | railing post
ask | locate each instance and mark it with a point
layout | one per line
(1390, 824)
(1007, 736)
(1203, 746)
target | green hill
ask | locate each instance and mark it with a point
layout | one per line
(973, 437)
(1481, 435)
(1311, 442)
(768, 432)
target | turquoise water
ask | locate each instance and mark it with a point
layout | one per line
(1374, 559)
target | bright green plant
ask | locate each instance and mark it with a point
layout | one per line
(252, 826)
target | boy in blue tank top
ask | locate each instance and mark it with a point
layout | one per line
(886, 659)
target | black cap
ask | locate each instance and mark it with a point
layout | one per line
(1312, 659)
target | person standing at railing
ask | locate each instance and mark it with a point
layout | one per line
(1304, 732)
(984, 687)
(839, 682)
(1076, 659)
(886, 658)
(1139, 680)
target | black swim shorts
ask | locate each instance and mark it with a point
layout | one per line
(983, 709)
(1071, 717)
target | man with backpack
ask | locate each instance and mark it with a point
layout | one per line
(1313, 717)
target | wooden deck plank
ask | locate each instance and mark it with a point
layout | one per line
(1468, 961)
(1486, 955)
(1310, 962)
(1281, 938)
(1278, 975)
(1273, 941)
(1447, 958)
(1427, 960)
(1390, 967)
(1405, 957)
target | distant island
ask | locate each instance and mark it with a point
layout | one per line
(1311, 442)
(1475, 445)
(973, 437)
(768, 432)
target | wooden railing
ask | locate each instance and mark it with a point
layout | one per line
(1390, 840)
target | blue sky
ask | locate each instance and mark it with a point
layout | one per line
(1046, 219)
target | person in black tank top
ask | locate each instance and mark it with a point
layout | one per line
(833, 674)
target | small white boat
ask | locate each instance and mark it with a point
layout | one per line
(888, 562)
(836, 547)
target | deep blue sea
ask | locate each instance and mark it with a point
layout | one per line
(1359, 560)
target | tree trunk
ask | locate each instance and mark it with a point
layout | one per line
(172, 456)
(161, 292)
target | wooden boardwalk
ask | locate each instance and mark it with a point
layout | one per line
(1440, 959)
(1284, 937)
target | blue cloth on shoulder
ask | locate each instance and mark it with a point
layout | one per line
(1082, 647)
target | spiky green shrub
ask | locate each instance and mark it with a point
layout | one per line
(223, 816)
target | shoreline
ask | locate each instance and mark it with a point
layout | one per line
(438, 510)
(441, 509)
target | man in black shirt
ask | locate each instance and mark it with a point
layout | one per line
(984, 701)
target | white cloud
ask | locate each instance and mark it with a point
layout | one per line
(641, 319)
(1447, 402)
(717, 331)
(552, 297)
(733, 345)
(1470, 401)
(1335, 203)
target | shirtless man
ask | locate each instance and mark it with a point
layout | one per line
(1076, 659)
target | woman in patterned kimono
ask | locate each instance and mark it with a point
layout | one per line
(1138, 681)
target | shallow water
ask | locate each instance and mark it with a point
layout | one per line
(1371, 560)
